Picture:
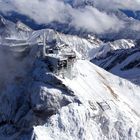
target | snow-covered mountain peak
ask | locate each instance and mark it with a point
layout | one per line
(51, 90)
(121, 57)
(105, 107)
(61, 107)
(108, 47)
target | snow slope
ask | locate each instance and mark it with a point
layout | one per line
(87, 120)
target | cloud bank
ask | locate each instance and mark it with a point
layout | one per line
(85, 18)
(92, 19)
(118, 4)
(135, 27)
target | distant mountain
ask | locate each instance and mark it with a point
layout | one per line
(15, 17)
(13, 30)
(122, 58)
(133, 14)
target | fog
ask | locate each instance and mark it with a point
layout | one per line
(12, 67)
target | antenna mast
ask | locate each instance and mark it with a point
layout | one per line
(44, 44)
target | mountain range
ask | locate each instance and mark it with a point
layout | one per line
(58, 82)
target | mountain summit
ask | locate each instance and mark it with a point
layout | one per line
(51, 90)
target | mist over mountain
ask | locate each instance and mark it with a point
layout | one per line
(69, 70)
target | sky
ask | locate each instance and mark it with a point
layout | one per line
(86, 18)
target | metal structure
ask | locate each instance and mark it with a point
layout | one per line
(60, 57)
(104, 105)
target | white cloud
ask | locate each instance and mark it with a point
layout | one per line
(92, 19)
(135, 26)
(46, 11)
(42, 11)
(118, 4)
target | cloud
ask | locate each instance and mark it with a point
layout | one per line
(47, 11)
(135, 26)
(92, 19)
(10, 67)
(42, 11)
(118, 4)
